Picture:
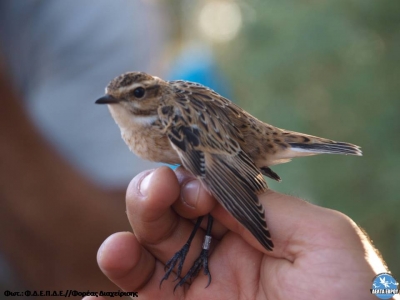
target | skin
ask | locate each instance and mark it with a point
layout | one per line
(319, 253)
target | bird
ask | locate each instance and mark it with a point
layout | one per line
(226, 148)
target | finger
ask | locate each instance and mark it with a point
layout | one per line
(298, 226)
(295, 225)
(157, 227)
(195, 200)
(131, 267)
(125, 262)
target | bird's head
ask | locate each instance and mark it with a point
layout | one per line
(138, 92)
(133, 96)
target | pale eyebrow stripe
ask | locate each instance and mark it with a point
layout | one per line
(137, 84)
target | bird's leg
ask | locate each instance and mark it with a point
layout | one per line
(202, 260)
(180, 255)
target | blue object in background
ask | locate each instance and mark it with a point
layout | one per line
(196, 63)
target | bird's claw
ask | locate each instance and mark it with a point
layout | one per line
(180, 257)
(201, 261)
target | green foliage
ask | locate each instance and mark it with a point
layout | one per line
(331, 69)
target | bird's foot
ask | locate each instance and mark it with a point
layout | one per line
(178, 259)
(201, 261)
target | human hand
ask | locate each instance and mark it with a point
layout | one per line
(319, 253)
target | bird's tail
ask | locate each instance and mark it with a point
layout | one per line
(304, 145)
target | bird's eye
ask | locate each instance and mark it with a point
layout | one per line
(139, 92)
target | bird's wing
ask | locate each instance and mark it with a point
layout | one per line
(201, 127)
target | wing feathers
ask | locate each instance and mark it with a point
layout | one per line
(236, 195)
(206, 140)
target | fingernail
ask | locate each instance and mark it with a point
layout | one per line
(145, 184)
(190, 193)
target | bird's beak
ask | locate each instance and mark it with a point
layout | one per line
(107, 99)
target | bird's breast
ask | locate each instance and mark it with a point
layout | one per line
(144, 138)
(150, 144)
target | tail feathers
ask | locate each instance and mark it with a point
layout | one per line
(304, 145)
(327, 147)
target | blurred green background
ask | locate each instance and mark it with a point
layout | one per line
(326, 68)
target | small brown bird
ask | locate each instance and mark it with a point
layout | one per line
(226, 148)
